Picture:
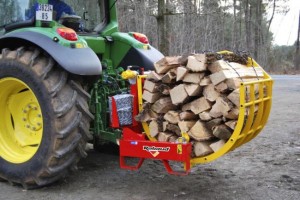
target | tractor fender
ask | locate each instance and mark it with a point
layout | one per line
(142, 57)
(80, 61)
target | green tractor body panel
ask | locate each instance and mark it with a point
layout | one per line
(96, 43)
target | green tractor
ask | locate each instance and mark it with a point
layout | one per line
(59, 63)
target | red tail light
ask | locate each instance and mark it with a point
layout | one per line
(67, 33)
(141, 37)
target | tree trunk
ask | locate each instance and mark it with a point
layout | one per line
(297, 56)
(234, 35)
(161, 27)
(257, 28)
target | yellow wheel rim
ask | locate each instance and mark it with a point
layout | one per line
(21, 121)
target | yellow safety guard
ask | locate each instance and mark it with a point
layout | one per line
(246, 129)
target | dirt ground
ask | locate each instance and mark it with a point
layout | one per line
(266, 168)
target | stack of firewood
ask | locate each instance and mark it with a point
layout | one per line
(198, 95)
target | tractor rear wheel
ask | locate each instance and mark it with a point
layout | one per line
(44, 119)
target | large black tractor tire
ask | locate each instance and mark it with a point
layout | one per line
(44, 117)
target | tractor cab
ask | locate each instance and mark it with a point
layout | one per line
(82, 16)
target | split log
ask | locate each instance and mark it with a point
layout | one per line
(232, 114)
(169, 77)
(174, 128)
(204, 116)
(202, 149)
(220, 108)
(151, 97)
(155, 128)
(205, 81)
(178, 94)
(185, 126)
(164, 136)
(146, 113)
(181, 72)
(154, 76)
(154, 114)
(231, 124)
(199, 132)
(164, 89)
(200, 105)
(222, 65)
(193, 89)
(164, 124)
(217, 145)
(187, 115)
(210, 93)
(186, 107)
(193, 78)
(222, 87)
(143, 116)
(234, 97)
(150, 86)
(174, 71)
(235, 83)
(173, 138)
(220, 76)
(219, 65)
(172, 117)
(214, 122)
(222, 132)
(197, 63)
(167, 63)
(163, 105)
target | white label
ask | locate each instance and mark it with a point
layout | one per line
(44, 12)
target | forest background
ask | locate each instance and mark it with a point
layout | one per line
(178, 27)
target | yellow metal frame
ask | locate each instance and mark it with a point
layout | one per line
(140, 100)
(246, 129)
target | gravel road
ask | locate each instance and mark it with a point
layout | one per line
(266, 168)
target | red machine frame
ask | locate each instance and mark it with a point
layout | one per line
(135, 145)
